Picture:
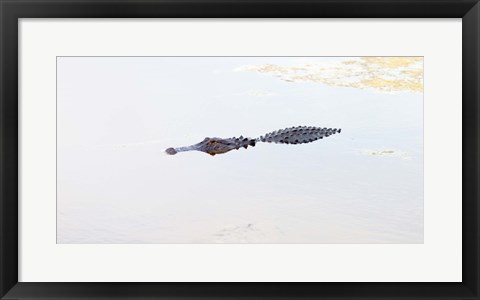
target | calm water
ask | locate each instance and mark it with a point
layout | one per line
(116, 185)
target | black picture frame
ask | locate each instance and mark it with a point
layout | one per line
(12, 10)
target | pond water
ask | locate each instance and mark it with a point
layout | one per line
(116, 116)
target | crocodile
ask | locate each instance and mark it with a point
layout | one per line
(291, 135)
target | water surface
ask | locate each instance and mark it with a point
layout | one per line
(116, 116)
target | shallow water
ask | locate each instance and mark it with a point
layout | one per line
(116, 116)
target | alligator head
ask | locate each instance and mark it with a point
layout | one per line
(215, 145)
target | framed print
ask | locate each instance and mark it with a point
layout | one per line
(239, 150)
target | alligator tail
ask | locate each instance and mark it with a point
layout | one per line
(297, 135)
